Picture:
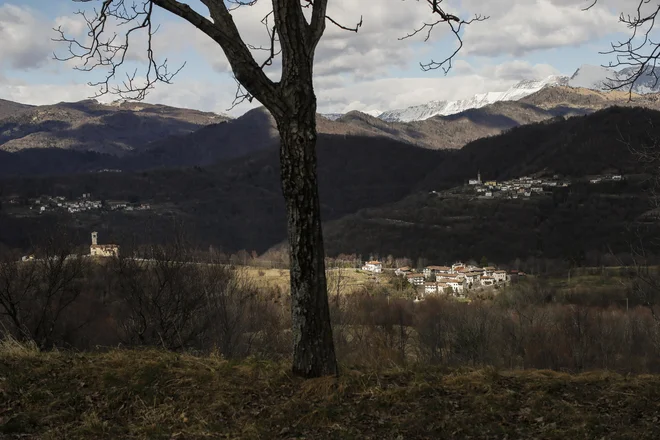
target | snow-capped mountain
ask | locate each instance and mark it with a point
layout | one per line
(434, 108)
(587, 76)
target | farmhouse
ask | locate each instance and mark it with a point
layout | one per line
(373, 266)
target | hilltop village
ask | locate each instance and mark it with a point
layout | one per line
(526, 186)
(455, 280)
(85, 203)
(516, 188)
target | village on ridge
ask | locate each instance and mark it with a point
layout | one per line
(455, 280)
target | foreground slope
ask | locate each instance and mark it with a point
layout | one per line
(152, 394)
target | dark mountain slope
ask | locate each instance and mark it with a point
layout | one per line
(578, 146)
(238, 204)
(253, 131)
(573, 223)
(581, 225)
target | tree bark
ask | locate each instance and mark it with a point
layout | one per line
(313, 347)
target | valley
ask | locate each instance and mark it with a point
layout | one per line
(387, 187)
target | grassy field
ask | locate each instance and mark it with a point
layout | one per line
(156, 395)
(351, 280)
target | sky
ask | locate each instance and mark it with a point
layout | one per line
(373, 70)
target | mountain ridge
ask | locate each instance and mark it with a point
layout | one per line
(596, 78)
(91, 126)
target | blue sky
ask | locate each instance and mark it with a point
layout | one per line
(373, 70)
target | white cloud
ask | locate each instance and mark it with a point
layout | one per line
(522, 26)
(516, 70)
(369, 53)
(352, 71)
(23, 40)
(393, 93)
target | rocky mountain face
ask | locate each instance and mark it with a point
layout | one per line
(116, 129)
(10, 108)
(457, 129)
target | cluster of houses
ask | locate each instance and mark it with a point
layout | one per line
(85, 203)
(456, 279)
(516, 188)
(606, 178)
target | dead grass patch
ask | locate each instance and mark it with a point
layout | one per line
(151, 394)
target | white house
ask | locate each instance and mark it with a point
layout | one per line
(500, 276)
(488, 270)
(472, 277)
(430, 288)
(373, 266)
(456, 285)
(416, 279)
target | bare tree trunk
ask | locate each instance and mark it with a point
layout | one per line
(313, 347)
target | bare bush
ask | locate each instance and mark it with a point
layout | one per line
(37, 296)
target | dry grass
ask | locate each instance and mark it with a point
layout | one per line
(280, 278)
(157, 395)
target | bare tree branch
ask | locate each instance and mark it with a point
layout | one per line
(455, 25)
(638, 54)
(106, 50)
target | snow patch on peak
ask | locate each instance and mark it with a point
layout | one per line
(374, 113)
(434, 108)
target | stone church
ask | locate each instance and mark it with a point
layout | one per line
(102, 250)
